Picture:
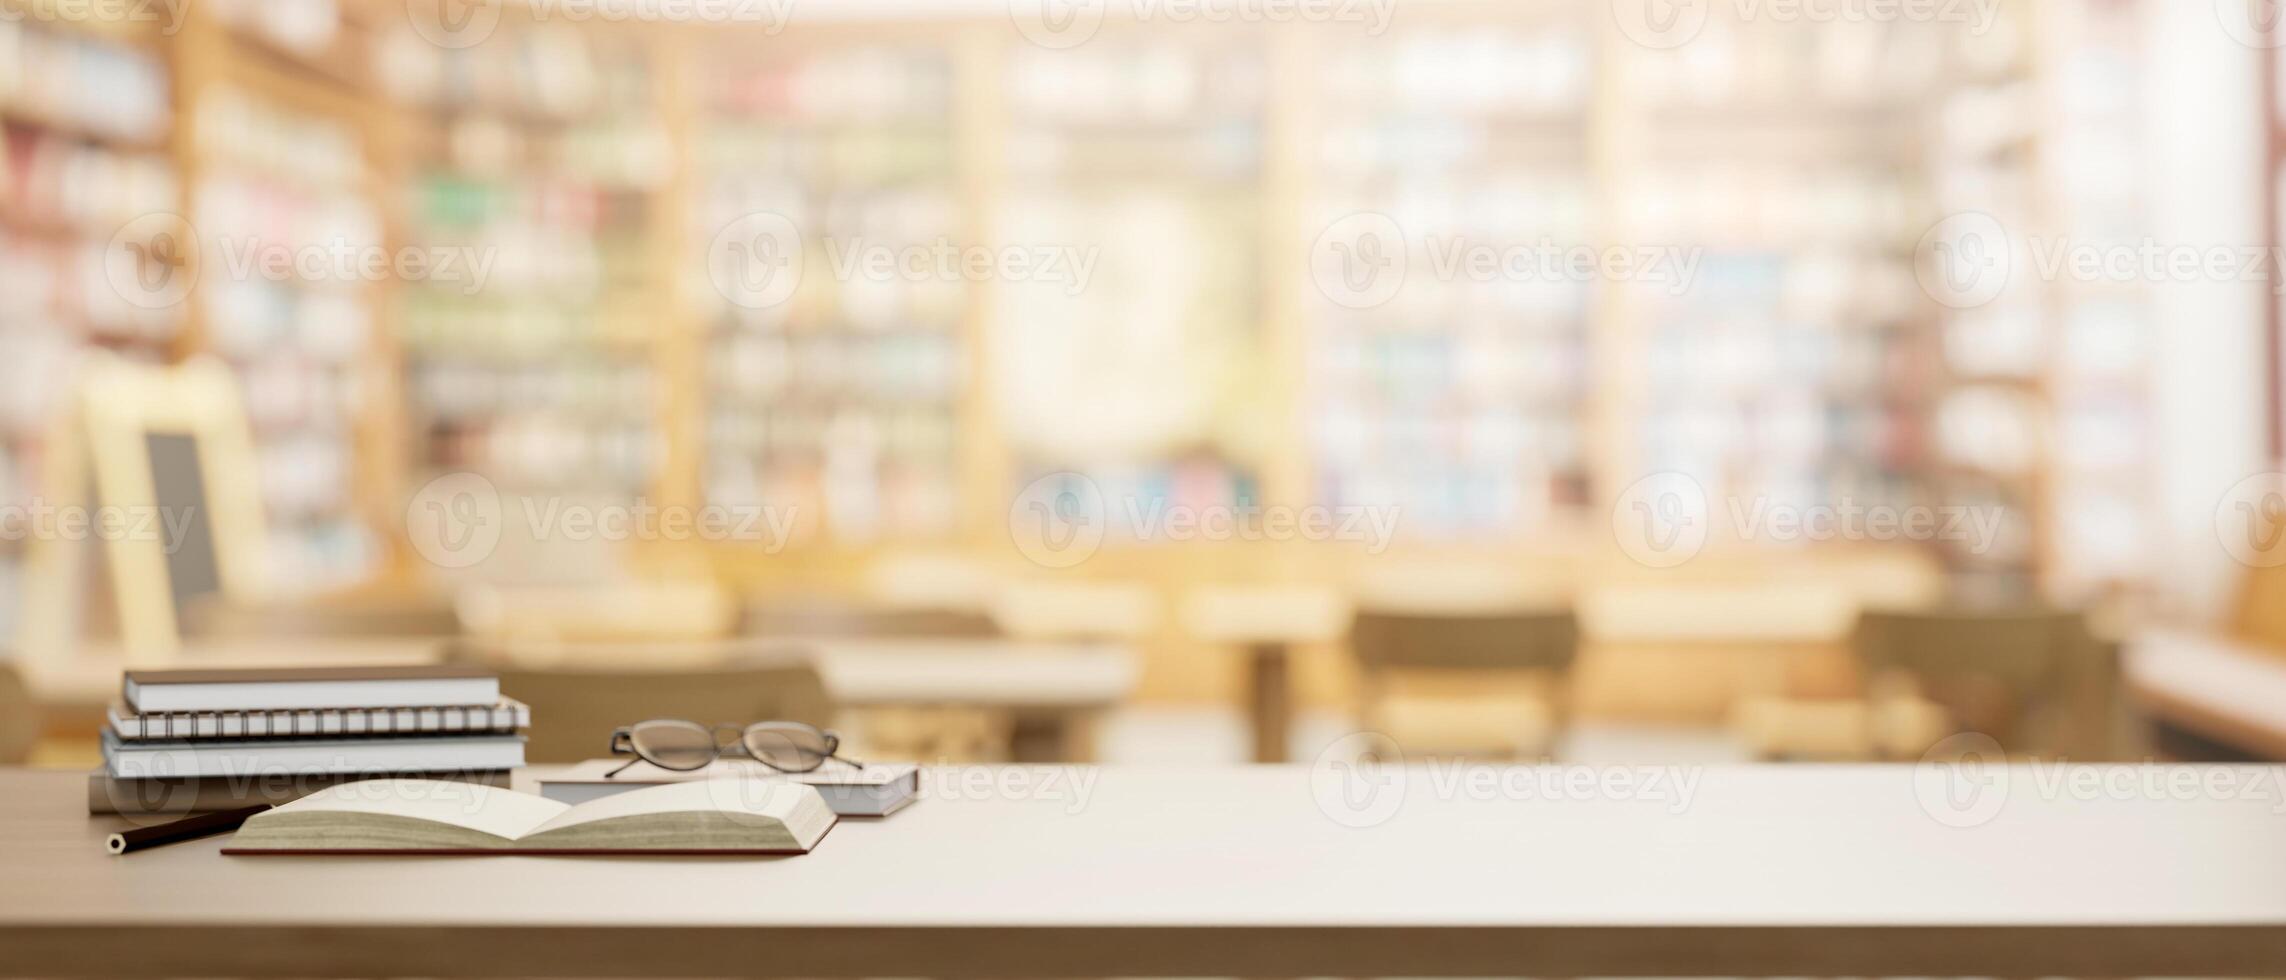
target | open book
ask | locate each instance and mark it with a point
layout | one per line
(420, 816)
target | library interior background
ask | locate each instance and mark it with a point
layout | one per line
(1195, 382)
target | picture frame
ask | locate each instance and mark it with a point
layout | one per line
(160, 461)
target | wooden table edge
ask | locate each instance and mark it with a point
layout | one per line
(129, 949)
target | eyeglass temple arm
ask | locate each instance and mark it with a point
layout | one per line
(617, 739)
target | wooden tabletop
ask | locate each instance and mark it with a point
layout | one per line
(1261, 871)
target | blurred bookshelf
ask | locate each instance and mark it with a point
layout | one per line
(279, 179)
(1146, 148)
(1789, 373)
(598, 163)
(87, 113)
(844, 399)
(550, 158)
(2102, 494)
(1463, 401)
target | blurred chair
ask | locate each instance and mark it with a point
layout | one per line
(574, 710)
(2015, 676)
(2032, 680)
(19, 717)
(1488, 683)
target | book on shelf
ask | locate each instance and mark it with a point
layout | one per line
(874, 790)
(501, 717)
(412, 816)
(300, 688)
(175, 796)
(176, 758)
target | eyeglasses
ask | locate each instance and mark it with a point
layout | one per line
(687, 746)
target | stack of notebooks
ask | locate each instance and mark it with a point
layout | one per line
(193, 741)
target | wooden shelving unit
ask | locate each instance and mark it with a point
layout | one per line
(1466, 402)
(87, 113)
(552, 160)
(844, 397)
(283, 151)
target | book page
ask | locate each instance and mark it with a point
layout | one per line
(484, 809)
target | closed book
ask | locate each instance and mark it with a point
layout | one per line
(194, 794)
(504, 716)
(252, 757)
(873, 790)
(287, 689)
(411, 816)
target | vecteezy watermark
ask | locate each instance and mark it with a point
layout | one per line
(155, 260)
(466, 23)
(1664, 520)
(1667, 24)
(457, 521)
(1061, 519)
(1363, 260)
(2253, 23)
(760, 259)
(1967, 781)
(743, 793)
(2250, 521)
(167, 14)
(1059, 24)
(43, 520)
(1363, 780)
(1969, 259)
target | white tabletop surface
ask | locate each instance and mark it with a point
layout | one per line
(1727, 855)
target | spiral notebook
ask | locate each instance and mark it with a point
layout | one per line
(505, 716)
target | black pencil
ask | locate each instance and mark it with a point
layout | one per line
(188, 828)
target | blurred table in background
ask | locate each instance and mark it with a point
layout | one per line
(1054, 691)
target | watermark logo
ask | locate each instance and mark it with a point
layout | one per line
(1064, 24)
(1058, 520)
(1363, 780)
(456, 520)
(453, 24)
(1364, 259)
(1664, 25)
(1061, 520)
(459, 24)
(1662, 520)
(157, 260)
(167, 14)
(1360, 261)
(2253, 23)
(40, 519)
(1057, 24)
(1969, 259)
(760, 260)
(756, 261)
(1661, 25)
(1965, 260)
(2250, 521)
(1962, 781)
(1359, 781)
(152, 262)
